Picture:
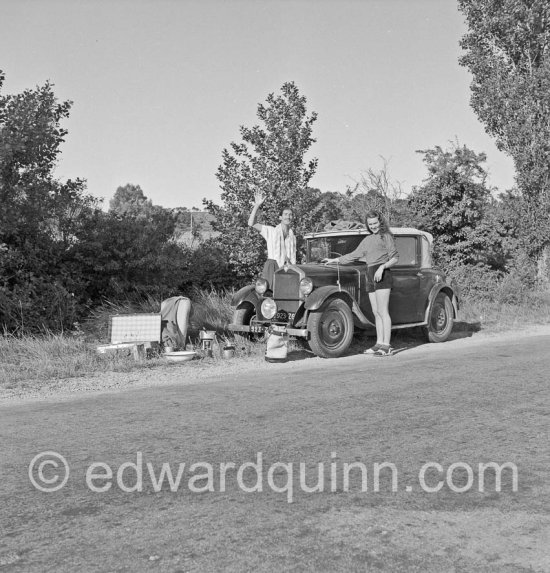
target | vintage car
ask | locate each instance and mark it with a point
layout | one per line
(324, 304)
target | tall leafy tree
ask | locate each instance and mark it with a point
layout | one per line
(271, 158)
(40, 216)
(507, 50)
(451, 201)
(30, 139)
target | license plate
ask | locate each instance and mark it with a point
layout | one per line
(257, 328)
(284, 316)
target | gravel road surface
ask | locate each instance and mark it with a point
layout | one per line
(476, 399)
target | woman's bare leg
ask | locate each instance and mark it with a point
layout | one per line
(382, 307)
(377, 318)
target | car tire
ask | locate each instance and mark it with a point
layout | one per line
(331, 329)
(440, 321)
(243, 316)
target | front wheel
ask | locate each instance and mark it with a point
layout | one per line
(244, 316)
(440, 323)
(331, 329)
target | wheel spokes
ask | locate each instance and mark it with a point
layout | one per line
(333, 328)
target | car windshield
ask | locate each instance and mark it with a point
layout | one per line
(320, 248)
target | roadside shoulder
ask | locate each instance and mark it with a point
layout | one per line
(187, 374)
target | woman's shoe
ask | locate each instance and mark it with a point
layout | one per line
(372, 349)
(384, 351)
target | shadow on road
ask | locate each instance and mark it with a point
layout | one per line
(463, 329)
(402, 340)
(301, 354)
(407, 338)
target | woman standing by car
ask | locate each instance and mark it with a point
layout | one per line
(379, 253)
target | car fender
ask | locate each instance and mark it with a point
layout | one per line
(316, 299)
(246, 294)
(436, 289)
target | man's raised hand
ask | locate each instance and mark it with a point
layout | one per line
(258, 197)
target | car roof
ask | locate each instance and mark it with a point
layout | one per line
(398, 231)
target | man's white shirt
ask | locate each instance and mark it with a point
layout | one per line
(278, 248)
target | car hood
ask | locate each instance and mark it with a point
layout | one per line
(322, 275)
(315, 270)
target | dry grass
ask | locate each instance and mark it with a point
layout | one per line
(209, 309)
(499, 316)
(30, 360)
(51, 357)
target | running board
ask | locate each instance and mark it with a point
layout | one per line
(408, 325)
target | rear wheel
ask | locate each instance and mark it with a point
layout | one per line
(440, 322)
(331, 329)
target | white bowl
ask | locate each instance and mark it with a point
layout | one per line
(180, 355)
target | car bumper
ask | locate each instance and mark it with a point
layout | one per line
(261, 328)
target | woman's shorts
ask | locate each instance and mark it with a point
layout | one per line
(386, 281)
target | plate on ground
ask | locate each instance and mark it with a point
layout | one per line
(180, 355)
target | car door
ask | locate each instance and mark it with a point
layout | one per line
(405, 295)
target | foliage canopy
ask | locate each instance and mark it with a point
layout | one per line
(452, 200)
(507, 50)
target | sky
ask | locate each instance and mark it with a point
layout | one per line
(160, 87)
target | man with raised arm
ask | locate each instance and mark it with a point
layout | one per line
(281, 241)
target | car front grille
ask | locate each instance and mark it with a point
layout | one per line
(286, 285)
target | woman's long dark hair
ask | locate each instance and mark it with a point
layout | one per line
(384, 227)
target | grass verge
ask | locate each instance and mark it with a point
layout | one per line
(497, 316)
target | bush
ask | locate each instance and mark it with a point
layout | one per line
(476, 281)
(480, 282)
(37, 306)
(207, 267)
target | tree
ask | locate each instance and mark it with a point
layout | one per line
(507, 50)
(40, 216)
(376, 190)
(130, 200)
(452, 200)
(271, 158)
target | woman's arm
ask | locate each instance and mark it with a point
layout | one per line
(355, 255)
(380, 270)
(392, 253)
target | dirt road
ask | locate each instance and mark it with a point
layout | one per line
(480, 400)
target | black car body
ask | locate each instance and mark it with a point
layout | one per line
(325, 303)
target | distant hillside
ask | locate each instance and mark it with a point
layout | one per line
(193, 227)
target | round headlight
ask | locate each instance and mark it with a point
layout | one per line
(269, 308)
(261, 286)
(306, 286)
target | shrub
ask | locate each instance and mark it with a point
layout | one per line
(475, 281)
(480, 282)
